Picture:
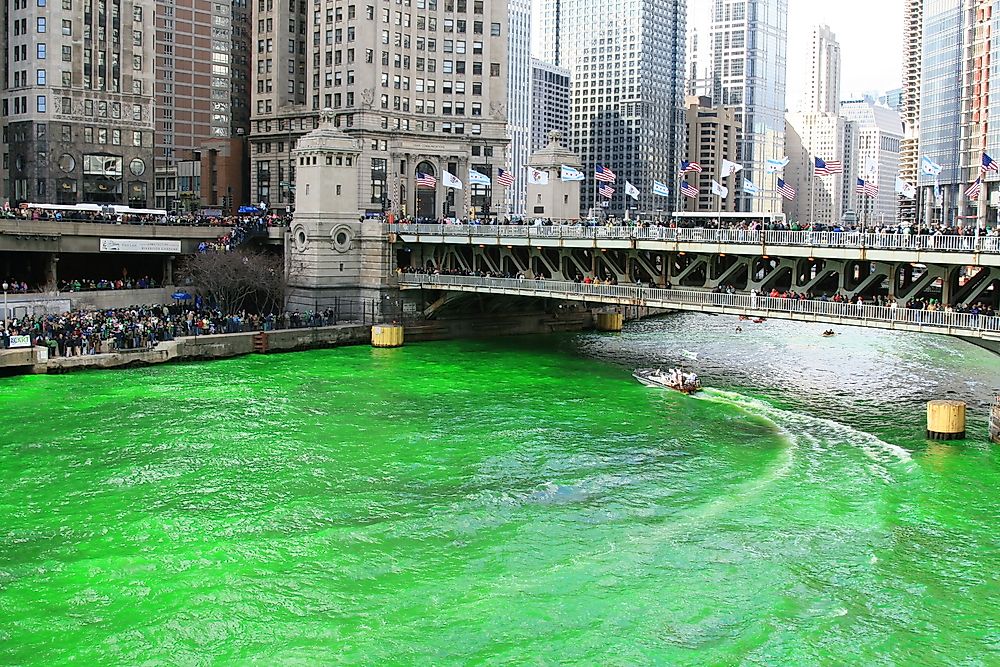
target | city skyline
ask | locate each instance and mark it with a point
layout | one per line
(870, 48)
(865, 70)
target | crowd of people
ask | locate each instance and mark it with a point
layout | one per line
(243, 229)
(199, 219)
(935, 229)
(89, 332)
(15, 286)
(107, 284)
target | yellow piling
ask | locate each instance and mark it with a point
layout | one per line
(387, 335)
(946, 420)
(610, 321)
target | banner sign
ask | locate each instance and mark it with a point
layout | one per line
(139, 245)
(19, 341)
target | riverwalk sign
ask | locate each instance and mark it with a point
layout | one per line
(140, 245)
(19, 341)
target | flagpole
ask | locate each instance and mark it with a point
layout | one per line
(812, 194)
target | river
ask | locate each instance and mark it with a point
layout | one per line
(508, 501)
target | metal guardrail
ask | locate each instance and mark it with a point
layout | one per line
(935, 243)
(947, 322)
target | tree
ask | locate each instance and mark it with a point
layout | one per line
(242, 279)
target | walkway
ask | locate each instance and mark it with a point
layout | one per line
(829, 312)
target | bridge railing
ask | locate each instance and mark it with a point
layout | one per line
(736, 302)
(936, 243)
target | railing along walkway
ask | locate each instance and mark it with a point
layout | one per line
(936, 242)
(933, 321)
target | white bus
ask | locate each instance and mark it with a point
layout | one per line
(701, 219)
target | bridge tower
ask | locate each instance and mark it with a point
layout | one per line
(557, 199)
(334, 258)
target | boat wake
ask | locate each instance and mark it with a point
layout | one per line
(797, 425)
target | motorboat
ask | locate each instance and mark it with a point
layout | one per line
(828, 333)
(674, 378)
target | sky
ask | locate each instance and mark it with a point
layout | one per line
(870, 33)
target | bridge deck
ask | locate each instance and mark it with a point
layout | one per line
(937, 249)
(934, 322)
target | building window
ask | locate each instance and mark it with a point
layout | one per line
(137, 62)
(40, 51)
(495, 29)
(40, 77)
(67, 53)
(40, 103)
(40, 24)
(67, 27)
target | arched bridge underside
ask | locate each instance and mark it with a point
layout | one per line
(954, 270)
(978, 328)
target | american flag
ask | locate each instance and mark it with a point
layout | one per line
(604, 175)
(828, 168)
(860, 188)
(688, 167)
(426, 180)
(786, 191)
(974, 190)
(606, 191)
(688, 190)
(505, 178)
(871, 189)
(989, 164)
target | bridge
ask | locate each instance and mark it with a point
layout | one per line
(954, 269)
(964, 325)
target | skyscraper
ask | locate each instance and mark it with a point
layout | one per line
(550, 102)
(823, 82)
(909, 159)
(712, 136)
(628, 83)
(880, 135)
(816, 131)
(955, 106)
(202, 103)
(78, 102)
(422, 86)
(810, 135)
(519, 99)
(749, 68)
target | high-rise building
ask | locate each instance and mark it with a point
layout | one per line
(749, 68)
(713, 135)
(880, 135)
(909, 109)
(810, 135)
(954, 104)
(422, 86)
(699, 54)
(823, 74)
(202, 104)
(628, 81)
(78, 102)
(550, 102)
(816, 131)
(518, 99)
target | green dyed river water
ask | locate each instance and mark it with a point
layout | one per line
(508, 502)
